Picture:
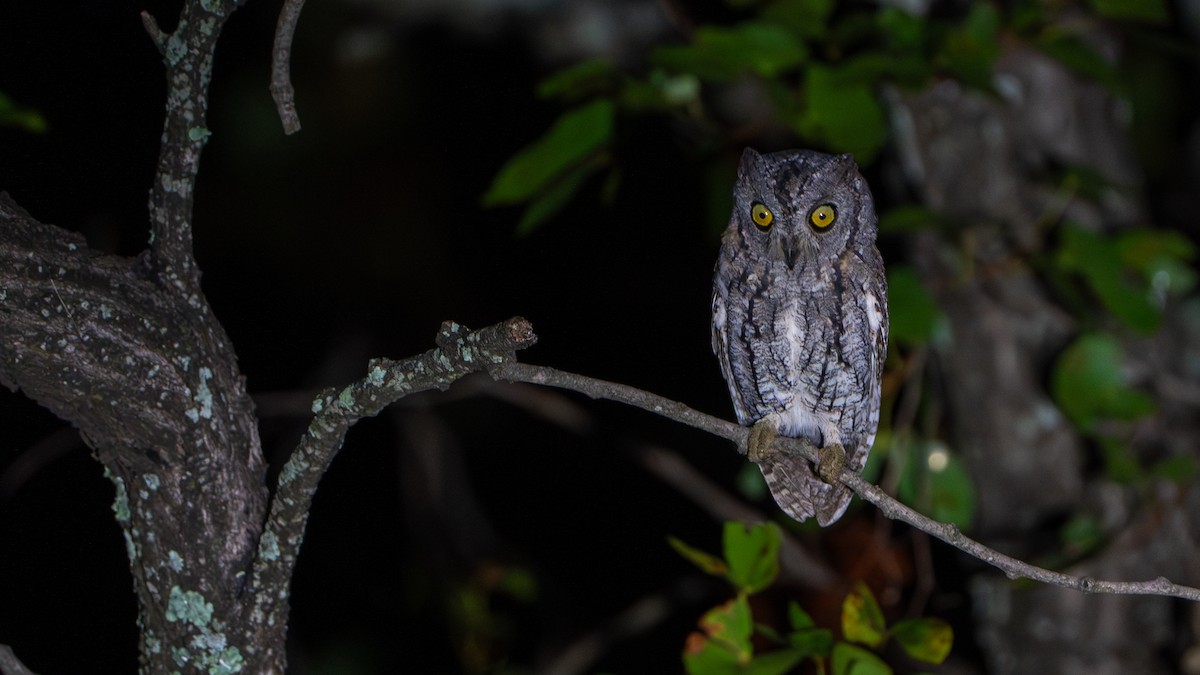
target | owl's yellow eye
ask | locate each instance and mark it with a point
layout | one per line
(822, 216)
(761, 216)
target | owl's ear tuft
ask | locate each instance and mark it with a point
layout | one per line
(751, 163)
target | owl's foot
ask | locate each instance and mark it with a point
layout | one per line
(831, 459)
(758, 443)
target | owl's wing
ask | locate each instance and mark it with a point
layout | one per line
(720, 347)
(873, 304)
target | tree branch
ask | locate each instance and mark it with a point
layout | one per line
(188, 57)
(128, 350)
(459, 352)
(891, 508)
(281, 66)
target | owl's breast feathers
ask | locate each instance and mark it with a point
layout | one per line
(804, 347)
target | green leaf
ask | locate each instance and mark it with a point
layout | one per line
(724, 644)
(575, 136)
(1088, 384)
(1099, 260)
(768, 632)
(847, 116)
(708, 563)
(1148, 11)
(1119, 463)
(13, 115)
(519, 583)
(554, 197)
(661, 91)
(753, 554)
(798, 618)
(815, 642)
(862, 619)
(913, 313)
(1181, 468)
(971, 50)
(1162, 259)
(1081, 535)
(749, 480)
(582, 79)
(871, 68)
(702, 656)
(905, 32)
(775, 663)
(925, 639)
(1139, 248)
(848, 659)
(952, 493)
(720, 53)
(806, 18)
(1080, 57)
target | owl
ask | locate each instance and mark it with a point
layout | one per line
(800, 322)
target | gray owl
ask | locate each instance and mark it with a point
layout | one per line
(799, 321)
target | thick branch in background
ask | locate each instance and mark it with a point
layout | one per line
(154, 389)
(128, 351)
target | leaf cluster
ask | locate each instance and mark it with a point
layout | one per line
(728, 635)
(821, 62)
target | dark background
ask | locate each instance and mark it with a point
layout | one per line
(356, 238)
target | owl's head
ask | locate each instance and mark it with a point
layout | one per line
(798, 206)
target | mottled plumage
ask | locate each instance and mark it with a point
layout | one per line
(799, 318)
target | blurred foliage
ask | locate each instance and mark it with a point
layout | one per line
(728, 633)
(822, 67)
(548, 171)
(13, 115)
(481, 633)
(934, 481)
(913, 315)
(1089, 385)
(1131, 273)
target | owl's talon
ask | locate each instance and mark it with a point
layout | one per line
(831, 459)
(758, 443)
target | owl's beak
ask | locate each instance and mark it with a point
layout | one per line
(790, 247)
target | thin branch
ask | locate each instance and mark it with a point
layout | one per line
(893, 509)
(187, 55)
(459, 352)
(493, 349)
(281, 66)
(156, 35)
(796, 564)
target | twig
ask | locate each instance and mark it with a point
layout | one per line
(891, 508)
(156, 35)
(459, 352)
(281, 66)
